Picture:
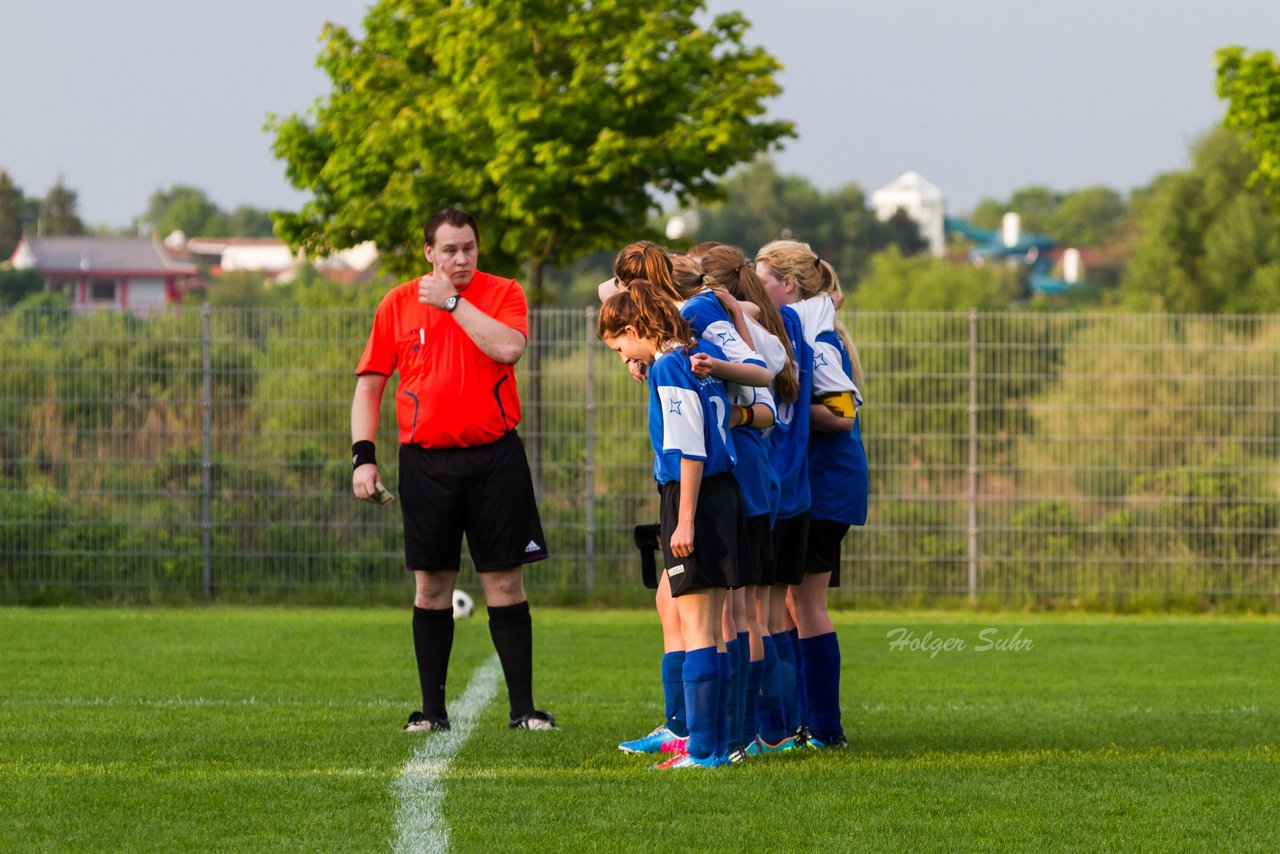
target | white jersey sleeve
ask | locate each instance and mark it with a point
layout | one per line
(818, 319)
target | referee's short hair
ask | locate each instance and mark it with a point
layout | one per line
(455, 217)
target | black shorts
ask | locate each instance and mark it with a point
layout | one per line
(485, 492)
(755, 551)
(718, 529)
(823, 554)
(790, 544)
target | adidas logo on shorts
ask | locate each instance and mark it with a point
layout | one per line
(532, 547)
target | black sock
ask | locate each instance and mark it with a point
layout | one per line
(432, 643)
(511, 628)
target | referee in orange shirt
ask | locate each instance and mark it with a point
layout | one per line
(455, 336)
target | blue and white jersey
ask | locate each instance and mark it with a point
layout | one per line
(710, 322)
(757, 478)
(830, 372)
(688, 417)
(837, 461)
(789, 439)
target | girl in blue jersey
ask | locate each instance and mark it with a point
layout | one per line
(754, 413)
(769, 415)
(837, 475)
(701, 517)
(714, 317)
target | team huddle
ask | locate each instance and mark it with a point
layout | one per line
(758, 456)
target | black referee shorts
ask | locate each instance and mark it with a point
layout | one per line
(719, 527)
(485, 492)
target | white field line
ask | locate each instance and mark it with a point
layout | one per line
(199, 702)
(419, 790)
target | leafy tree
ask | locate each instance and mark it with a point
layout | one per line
(17, 285)
(1036, 205)
(761, 205)
(1251, 87)
(12, 212)
(925, 283)
(1087, 217)
(559, 124)
(988, 213)
(190, 210)
(183, 208)
(1206, 241)
(246, 221)
(902, 231)
(58, 212)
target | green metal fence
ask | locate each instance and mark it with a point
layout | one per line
(1016, 458)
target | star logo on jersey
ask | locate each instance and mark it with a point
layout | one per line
(819, 360)
(725, 337)
(675, 407)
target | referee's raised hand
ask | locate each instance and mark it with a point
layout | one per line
(434, 289)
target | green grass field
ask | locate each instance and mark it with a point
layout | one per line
(275, 729)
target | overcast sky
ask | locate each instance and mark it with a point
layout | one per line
(981, 97)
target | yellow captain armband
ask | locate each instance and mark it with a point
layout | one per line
(841, 403)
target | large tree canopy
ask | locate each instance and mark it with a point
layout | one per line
(761, 204)
(190, 210)
(58, 214)
(13, 206)
(1206, 241)
(560, 123)
(1251, 87)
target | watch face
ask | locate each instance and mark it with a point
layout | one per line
(451, 303)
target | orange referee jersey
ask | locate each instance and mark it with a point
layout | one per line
(451, 394)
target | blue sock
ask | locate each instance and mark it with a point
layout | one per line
(736, 675)
(802, 697)
(822, 685)
(722, 725)
(701, 698)
(673, 692)
(755, 673)
(740, 695)
(771, 718)
(787, 667)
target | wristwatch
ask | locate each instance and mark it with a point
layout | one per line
(451, 303)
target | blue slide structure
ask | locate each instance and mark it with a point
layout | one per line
(1030, 250)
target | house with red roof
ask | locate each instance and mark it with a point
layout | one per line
(121, 273)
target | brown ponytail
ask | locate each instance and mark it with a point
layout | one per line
(654, 317)
(648, 262)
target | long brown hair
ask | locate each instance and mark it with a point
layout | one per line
(731, 269)
(654, 317)
(648, 262)
(791, 259)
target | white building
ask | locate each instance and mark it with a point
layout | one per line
(922, 201)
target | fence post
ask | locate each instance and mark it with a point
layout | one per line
(207, 460)
(973, 455)
(589, 475)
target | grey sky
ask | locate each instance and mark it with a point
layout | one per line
(980, 97)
